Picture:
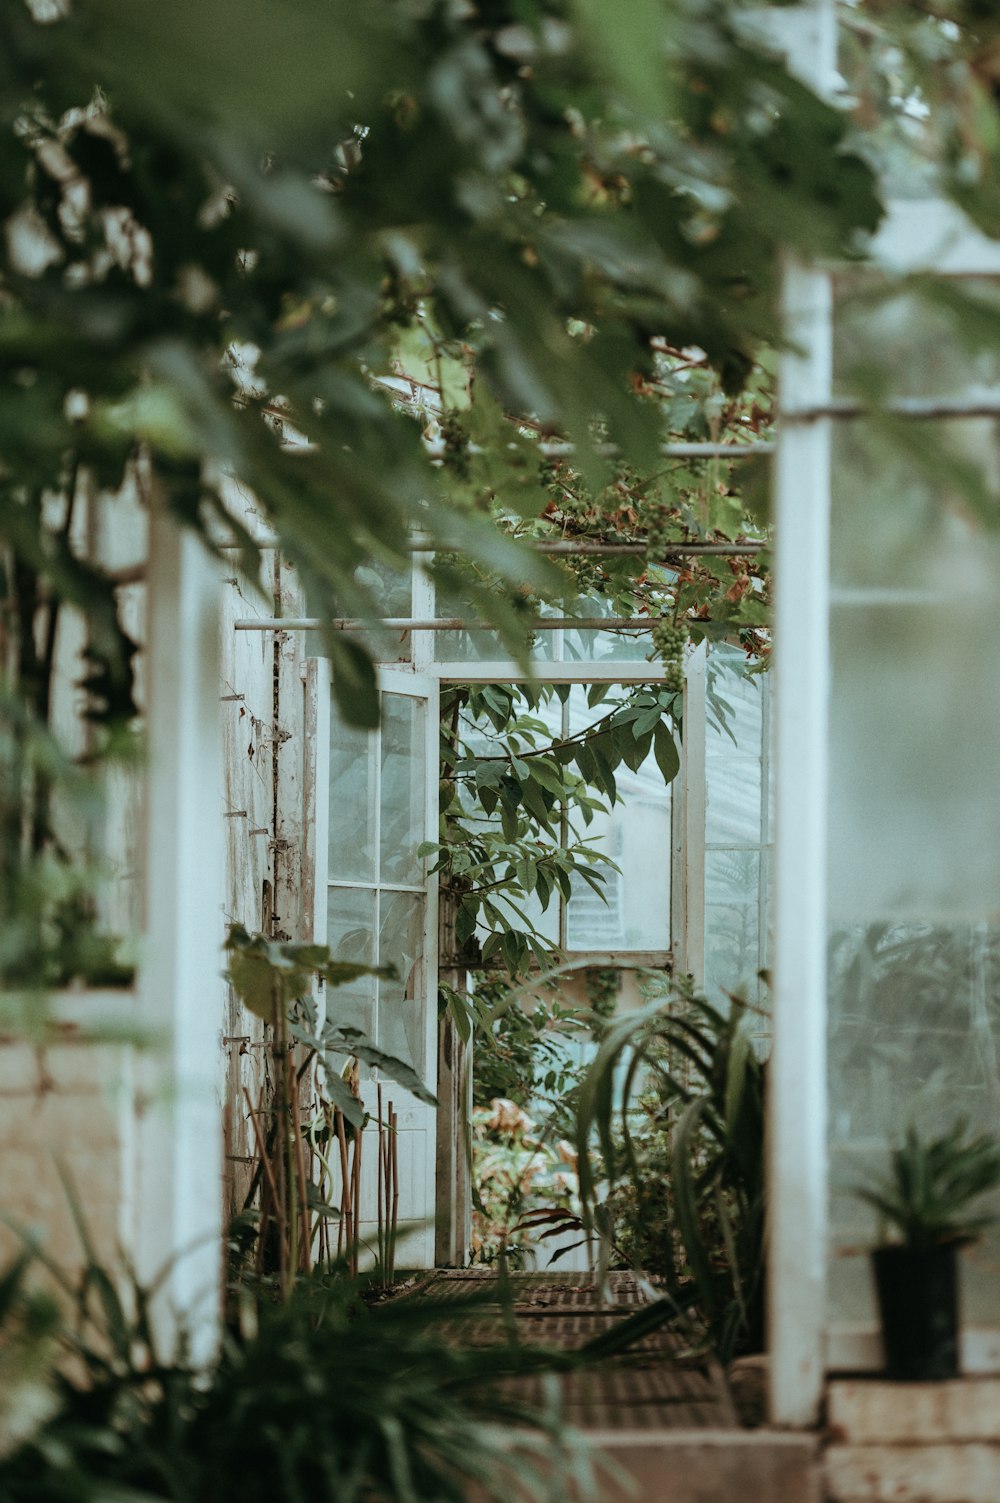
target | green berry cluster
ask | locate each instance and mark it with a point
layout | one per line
(588, 575)
(669, 639)
(661, 534)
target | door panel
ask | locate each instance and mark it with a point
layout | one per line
(377, 904)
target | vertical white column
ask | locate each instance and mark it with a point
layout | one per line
(179, 1211)
(796, 1127)
(797, 1178)
(695, 804)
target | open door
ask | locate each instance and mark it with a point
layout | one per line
(376, 904)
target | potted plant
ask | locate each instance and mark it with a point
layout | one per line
(925, 1205)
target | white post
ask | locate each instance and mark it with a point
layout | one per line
(796, 1126)
(179, 1182)
(695, 803)
(797, 1177)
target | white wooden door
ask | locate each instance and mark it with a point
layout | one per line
(377, 904)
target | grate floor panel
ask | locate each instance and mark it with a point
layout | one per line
(654, 1385)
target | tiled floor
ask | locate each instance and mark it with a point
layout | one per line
(652, 1386)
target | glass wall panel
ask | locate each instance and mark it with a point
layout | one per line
(401, 1013)
(733, 750)
(634, 912)
(402, 792)
(559, 645)
(353, 808)
(351, 936)
(377, 822)
(392, 591)
(914, 831)
(737, 830)
(732, 922)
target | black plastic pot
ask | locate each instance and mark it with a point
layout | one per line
(918, 1303)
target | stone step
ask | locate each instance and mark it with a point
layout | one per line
(863, 1411)
(935, 1473)
(698, 1466)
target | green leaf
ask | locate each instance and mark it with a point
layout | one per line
(465, 921)
(534, 801)
(634, 753)
(665, 752)
(353, 1041)
(254, 980)
(355, 687)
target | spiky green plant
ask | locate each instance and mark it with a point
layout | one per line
(700, 1065)
(321, 1398)
(928, 1194)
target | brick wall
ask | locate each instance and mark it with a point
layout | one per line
(71, 1101)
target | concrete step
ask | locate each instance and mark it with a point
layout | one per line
(938, 1473)
(913, 1442)
(703, 1466)
(871, 1411)
(697, 1466)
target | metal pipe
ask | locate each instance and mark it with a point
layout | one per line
(928, 409)
(572, 547)
(449, 623)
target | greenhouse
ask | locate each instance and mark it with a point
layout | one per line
(498, 556)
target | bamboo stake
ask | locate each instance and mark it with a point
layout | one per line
(356, 1190)
(268, 1172)
(305, 1251)
(291, 1253)
(344, 1232)
(394, 1148)
(381, 1191)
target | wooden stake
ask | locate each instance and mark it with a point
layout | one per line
(344, 1233)
(394, 1148)
(302, 1174)
(381, 1191)
(356, 1188)
(262, 1150)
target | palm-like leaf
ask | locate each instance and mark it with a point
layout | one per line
(928, 1195)
(709, 1087)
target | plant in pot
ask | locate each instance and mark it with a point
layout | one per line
(928, 1209)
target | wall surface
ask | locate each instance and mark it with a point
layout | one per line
(70, 1104)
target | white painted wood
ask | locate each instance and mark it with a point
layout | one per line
(318, 801)
(797, 1172)
(796, 1126)
(246, 713)
(692, 870)
(180, 1135)
(292, 723)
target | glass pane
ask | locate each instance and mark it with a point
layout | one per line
(733, 750)
(392, 591)
(402, 1005)
(392, 588)
(634, 912)
(914, 1026)
(732, 922)
(577, 645)
(351, 932)
(352, 803)
(569, 644)
(914, 802)
(878, 326)
(403, 785)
